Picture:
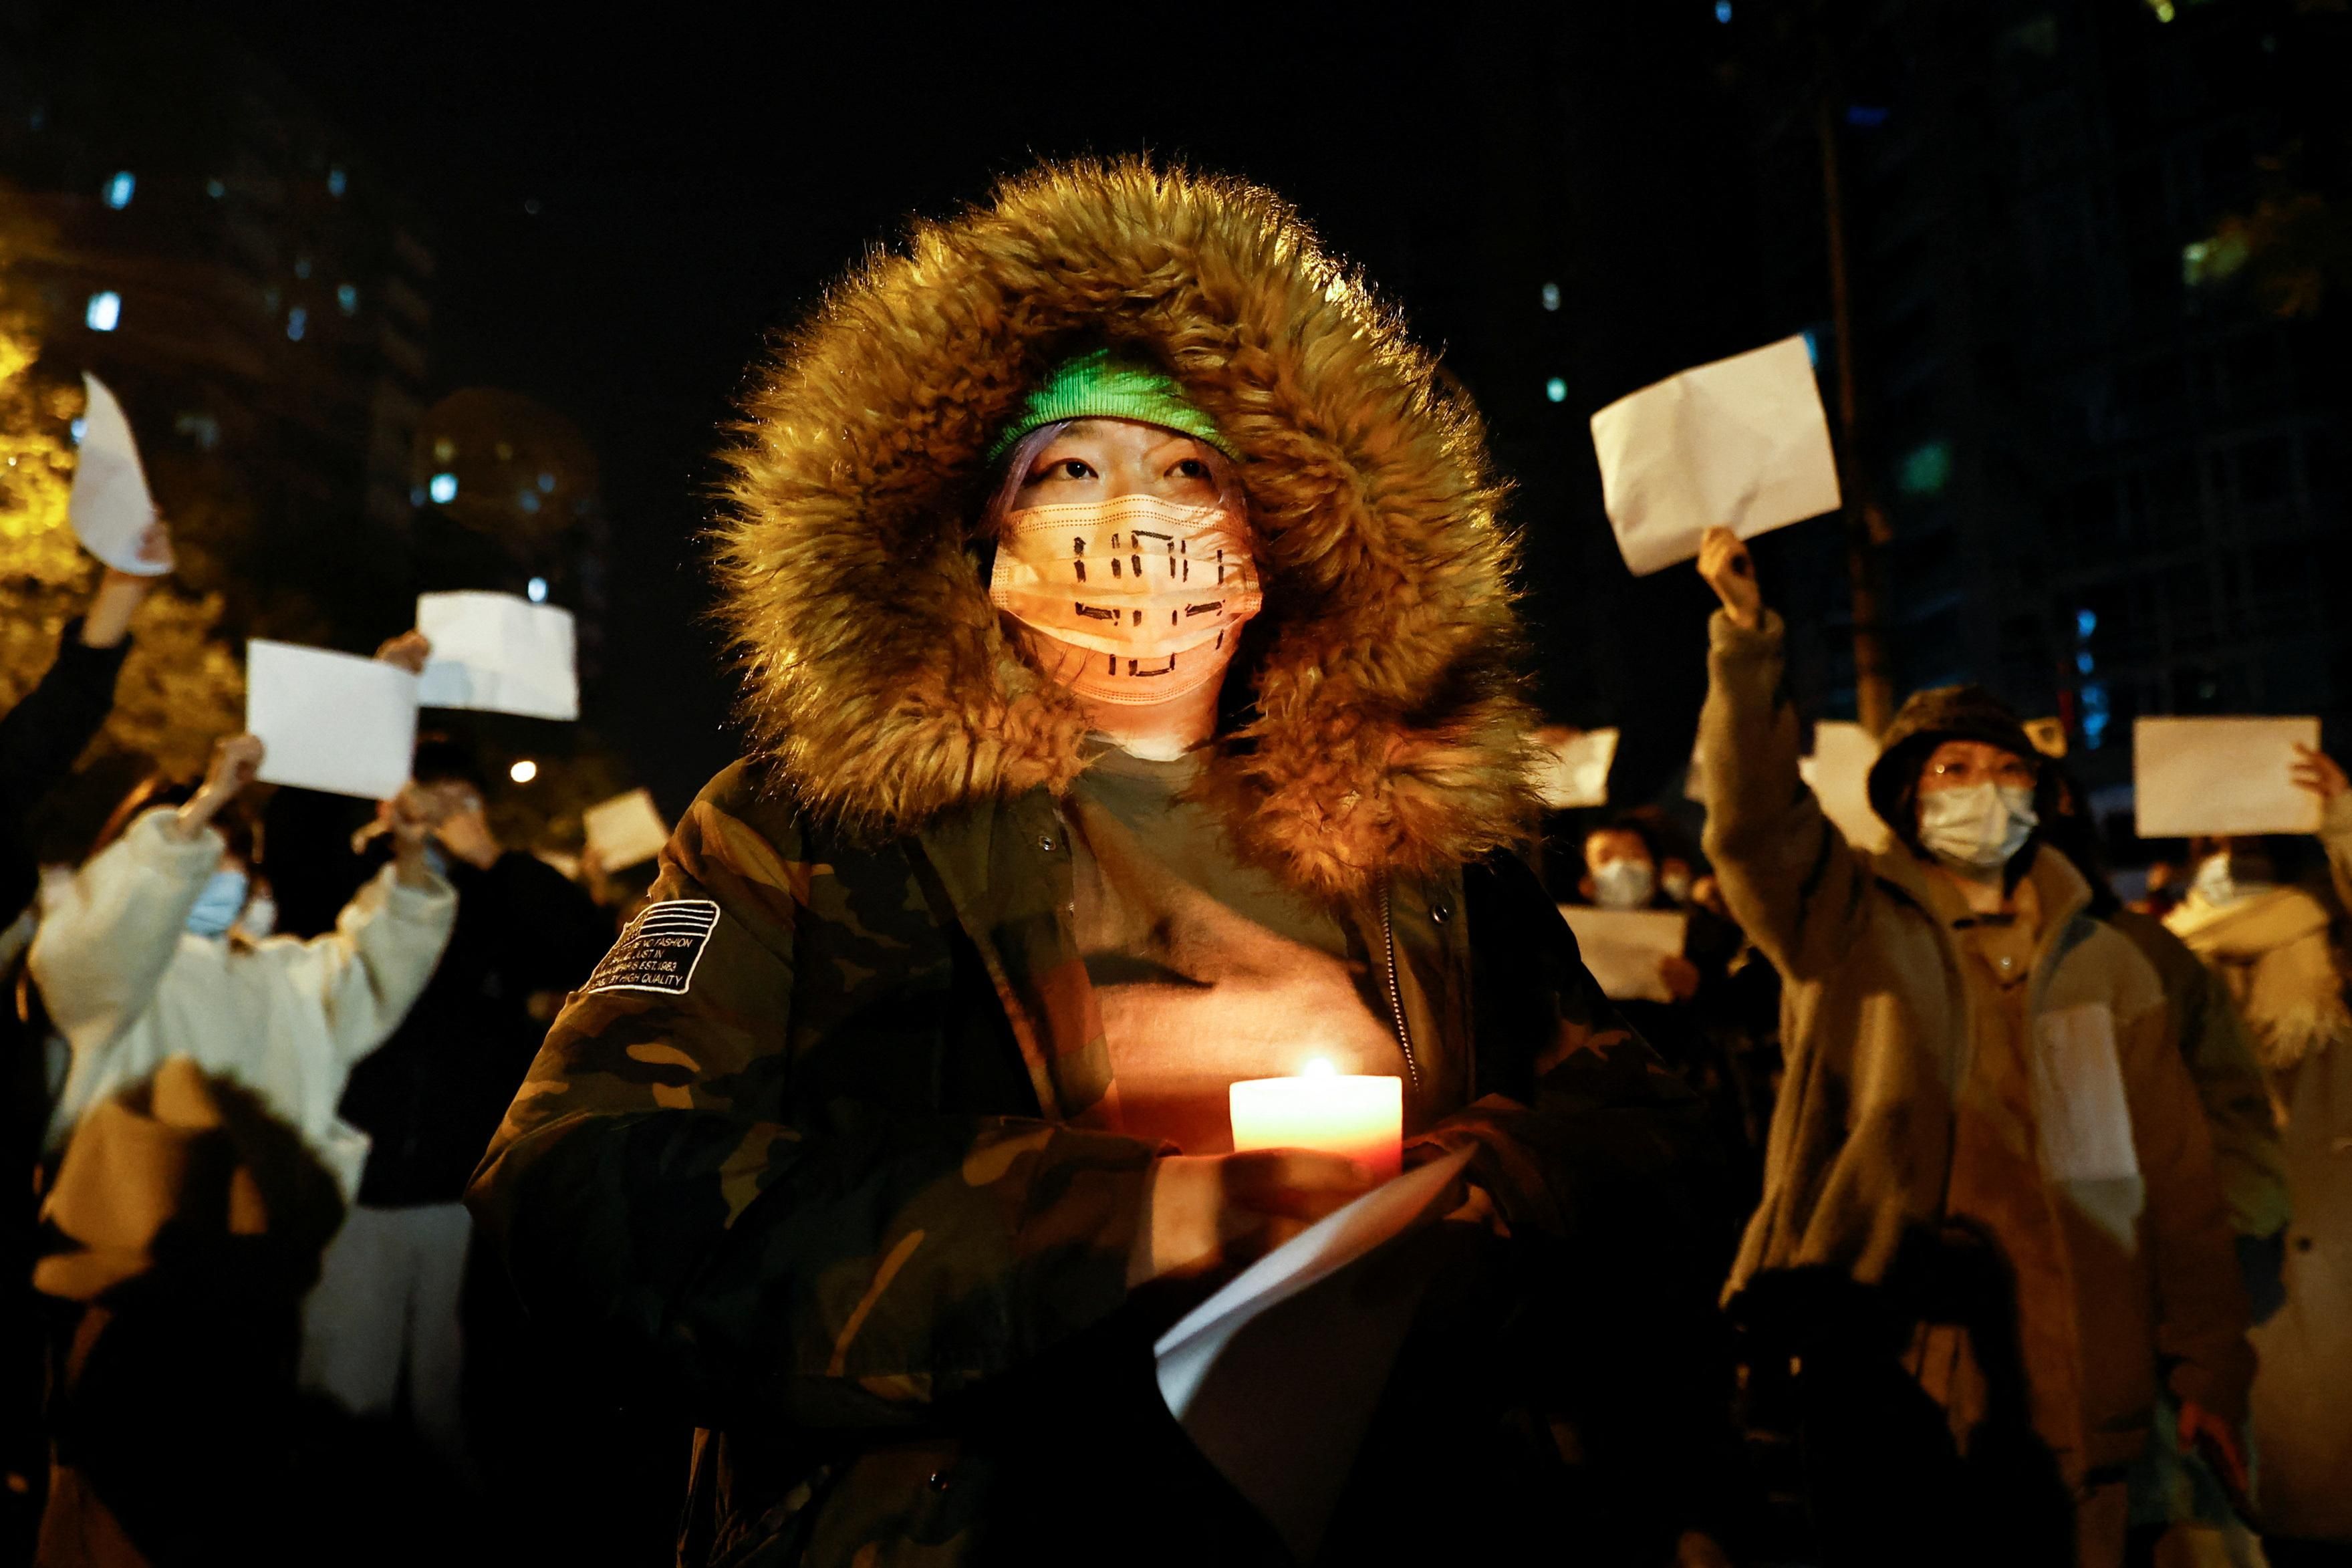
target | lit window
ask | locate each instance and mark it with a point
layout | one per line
(1925, 469)
(336, 182)
(1556, 389)
(348, 297)
(298, 322)
(105, 311)
(528, 501)
(523, 772)
(1552, 296)
(2086, 622)
(537, 589)
(547, 484)
(215, 189)
(1723, 12)
(2097, 713)
(445, 451)
(301, 266)
(443, 488)
(2084, 663)
(119, 189)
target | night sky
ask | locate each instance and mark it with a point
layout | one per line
(700, 176)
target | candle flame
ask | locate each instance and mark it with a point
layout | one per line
(1320, 1067)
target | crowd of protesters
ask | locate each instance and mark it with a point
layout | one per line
(1948, 1209)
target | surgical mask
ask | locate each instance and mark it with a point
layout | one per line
(1146, 595)
(218, 904)
(1976, 827)
(1624, 884)
(1676, 886)
(260, 917)
(2218, 882)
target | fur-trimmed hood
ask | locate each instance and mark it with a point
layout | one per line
(1387, 732)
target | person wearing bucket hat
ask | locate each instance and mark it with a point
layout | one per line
(1985, 1124)
(1127, 640)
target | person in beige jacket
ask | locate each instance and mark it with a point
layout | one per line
(2275, 946)
(1971, 1060)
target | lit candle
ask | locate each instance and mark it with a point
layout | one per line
(1322, 1108)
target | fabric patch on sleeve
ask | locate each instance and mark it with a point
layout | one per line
(659, 949)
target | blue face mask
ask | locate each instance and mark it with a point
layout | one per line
(217, 907)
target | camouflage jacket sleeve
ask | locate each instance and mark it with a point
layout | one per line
(673, 1197)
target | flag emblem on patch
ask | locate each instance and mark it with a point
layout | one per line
(659, 949)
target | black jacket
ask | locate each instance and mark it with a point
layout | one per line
(431, 1097)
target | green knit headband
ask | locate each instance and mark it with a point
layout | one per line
(1095, 385)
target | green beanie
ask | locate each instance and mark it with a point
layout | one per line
(1095, 385)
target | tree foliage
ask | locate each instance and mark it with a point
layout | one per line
(182, 687)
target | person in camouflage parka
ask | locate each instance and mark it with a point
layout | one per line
(805, 1161)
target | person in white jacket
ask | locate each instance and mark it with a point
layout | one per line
(139, 960)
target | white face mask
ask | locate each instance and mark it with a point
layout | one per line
(1144, 596)
(1624, 884)
(1677, 886)
(2218, 882)
(260, 917)
(1976, 827)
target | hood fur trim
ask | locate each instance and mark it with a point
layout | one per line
(1388, 732)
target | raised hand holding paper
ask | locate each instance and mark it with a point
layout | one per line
(2221, 776)
(332, 721)
(111, 510)
(498, 653)
(625, 830)
(1741, 443)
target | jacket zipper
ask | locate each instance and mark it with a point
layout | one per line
(1396, 996)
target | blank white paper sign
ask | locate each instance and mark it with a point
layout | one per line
(109, 507)
(1740, 444)
(2221, 776)
(625, 830)
(498, 653)
(1574, 769)
(1622, 948)
(332, 721)
(1838, 772)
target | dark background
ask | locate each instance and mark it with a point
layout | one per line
(698, 179)
(2097, 249)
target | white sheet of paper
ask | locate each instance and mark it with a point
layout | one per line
(1622, 948)
(1838, 772)
(109, 508)
(1741, 443)
(1284, 1422)
(332, 721)
(1575, 769)
(498, 653)
(2221, 776)
(626, 830)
